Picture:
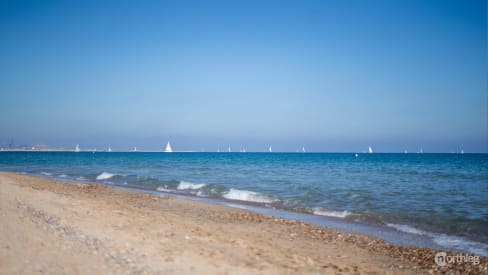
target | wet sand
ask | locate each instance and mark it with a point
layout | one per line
(53, 227)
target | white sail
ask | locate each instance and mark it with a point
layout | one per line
(77, 148)
(270, 149)
(303, 149)
(168, 148)
(109, 149)
(462, 151)
(135, 149)
(229, 150)
(370, 150)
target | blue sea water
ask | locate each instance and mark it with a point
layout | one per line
(442, 197)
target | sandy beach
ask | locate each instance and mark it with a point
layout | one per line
(54, 227)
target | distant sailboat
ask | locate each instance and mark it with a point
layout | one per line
(370, 150)
(303, 149)
(135, 149)
(77, 148)
(270, 149)
(109, 149)
(406, 152)
(462, 151)
(168, 148)
(228, 150)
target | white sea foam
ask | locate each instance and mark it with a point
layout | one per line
(330, 213)
(184, 185)
(244, 195)
(63, 176)
(105, 176)
(451, 242)
(460, 243)
(410, 229)
(164, 189)
(46, 173)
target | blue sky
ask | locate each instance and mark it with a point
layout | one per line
(327, 75)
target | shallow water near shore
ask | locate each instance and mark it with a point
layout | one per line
(433, 200)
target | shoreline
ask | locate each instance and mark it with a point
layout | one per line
(402, 234)
(114, 230)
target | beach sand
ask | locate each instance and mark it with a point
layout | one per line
(53, 227)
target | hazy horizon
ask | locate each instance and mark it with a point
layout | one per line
(330, 76)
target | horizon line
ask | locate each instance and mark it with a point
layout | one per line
(232, 152)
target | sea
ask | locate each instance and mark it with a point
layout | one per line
(427, 200)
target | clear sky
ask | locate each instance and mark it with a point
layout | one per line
(327, 75)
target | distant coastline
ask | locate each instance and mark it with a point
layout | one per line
(222, 152)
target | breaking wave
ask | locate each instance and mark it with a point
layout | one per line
(329, 213)
(409, 229)
(105, 176)
(444, 240)
(185, 185)
(244, 195)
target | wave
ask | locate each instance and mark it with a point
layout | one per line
(409, 229)
(244, 195)
(165, 189)
(330, 213)
(46, 173)
(105, 176)
(444, 240)
(184, 185)
(459, 243)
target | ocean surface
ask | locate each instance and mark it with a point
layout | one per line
(442, 198)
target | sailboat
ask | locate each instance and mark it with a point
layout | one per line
(270, 149)
(77, 148)
(135, 149)
(303, 149)
(168, 148)
(109, 149)
(370, 150)
(462, 151)
(228, 150)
